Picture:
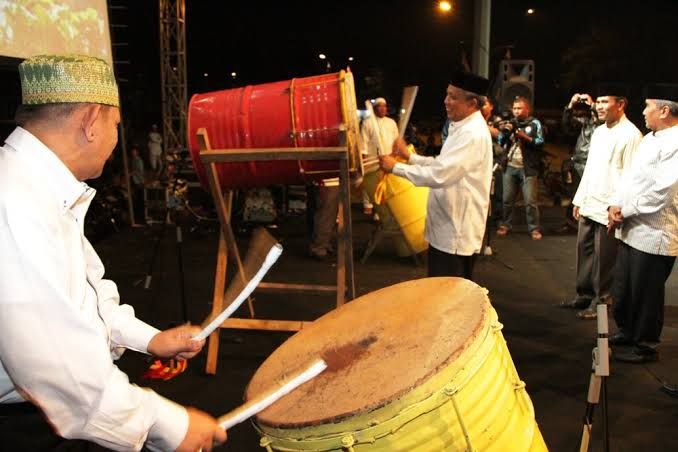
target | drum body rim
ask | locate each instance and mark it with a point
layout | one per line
(370, 426)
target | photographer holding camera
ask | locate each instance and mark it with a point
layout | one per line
(524, 137)
(579, 116)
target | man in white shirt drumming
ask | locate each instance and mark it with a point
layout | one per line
(459, 179)
(613, 145)
(644, 212)
(61, 322)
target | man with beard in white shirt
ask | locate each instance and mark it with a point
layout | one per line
(61, 322)
(613, 145)
(644, 212)
(459, 178)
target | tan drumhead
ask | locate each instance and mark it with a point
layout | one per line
(378, 347)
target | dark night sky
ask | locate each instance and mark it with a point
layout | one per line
(410, 42)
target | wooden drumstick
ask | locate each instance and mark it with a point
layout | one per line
(213, 322)
(409, 95)
(266, 399)
(333, 360)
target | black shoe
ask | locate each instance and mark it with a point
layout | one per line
(577, 303)
(619, 338)
(670, 389)
(587, 314)
(637, 356)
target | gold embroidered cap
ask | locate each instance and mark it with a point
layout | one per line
(51, 79)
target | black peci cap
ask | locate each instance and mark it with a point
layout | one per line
(662, 92)
(613, 89)
(470, 82)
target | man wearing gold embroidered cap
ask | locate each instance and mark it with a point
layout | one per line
(62, 324)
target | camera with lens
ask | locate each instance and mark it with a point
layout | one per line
(508, 124)
(582, 105)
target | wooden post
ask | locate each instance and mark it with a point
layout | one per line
(217, 304)
(345, 286)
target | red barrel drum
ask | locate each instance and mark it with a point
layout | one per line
(302, 112)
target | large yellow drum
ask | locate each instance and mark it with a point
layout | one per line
(423, 367)
(404, 205)
(370, 182)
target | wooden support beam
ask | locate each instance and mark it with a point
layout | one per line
(268, 325)
(282, 287)
(267, 154)
(345, 286)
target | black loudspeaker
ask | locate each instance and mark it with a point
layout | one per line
(516, 78)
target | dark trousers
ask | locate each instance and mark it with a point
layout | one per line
(325, 219)
(596, 256)
(638, 292)
(138, 199)
(441, 263)
(23, 428)
(497, 195)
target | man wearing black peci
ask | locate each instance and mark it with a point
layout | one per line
(459, 179)
(644, 212)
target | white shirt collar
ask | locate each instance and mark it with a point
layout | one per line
(466, 120)
(666, 131)
(66, 188)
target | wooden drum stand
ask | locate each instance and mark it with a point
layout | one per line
(345, 287)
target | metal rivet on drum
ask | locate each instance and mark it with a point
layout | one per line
(266, 442)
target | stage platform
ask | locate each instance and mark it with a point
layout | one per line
(550, 347)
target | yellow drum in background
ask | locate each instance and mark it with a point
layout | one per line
(370, 182)
(422, 366)
(406, 205)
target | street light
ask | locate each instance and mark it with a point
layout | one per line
(445, 6)
(530, 11)
(323, 57)
(234, 74)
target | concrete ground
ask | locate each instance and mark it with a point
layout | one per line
(550, 347)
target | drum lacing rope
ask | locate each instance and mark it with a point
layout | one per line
(467, 437)
(518, 384)
(349, 439)
(451, 390)
(266, 442)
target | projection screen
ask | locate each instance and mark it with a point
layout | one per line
(33, 27)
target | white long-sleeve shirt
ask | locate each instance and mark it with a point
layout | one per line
(611, 150)
(374, 137)
(648, 195)
(459, 179)
(61, 324)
